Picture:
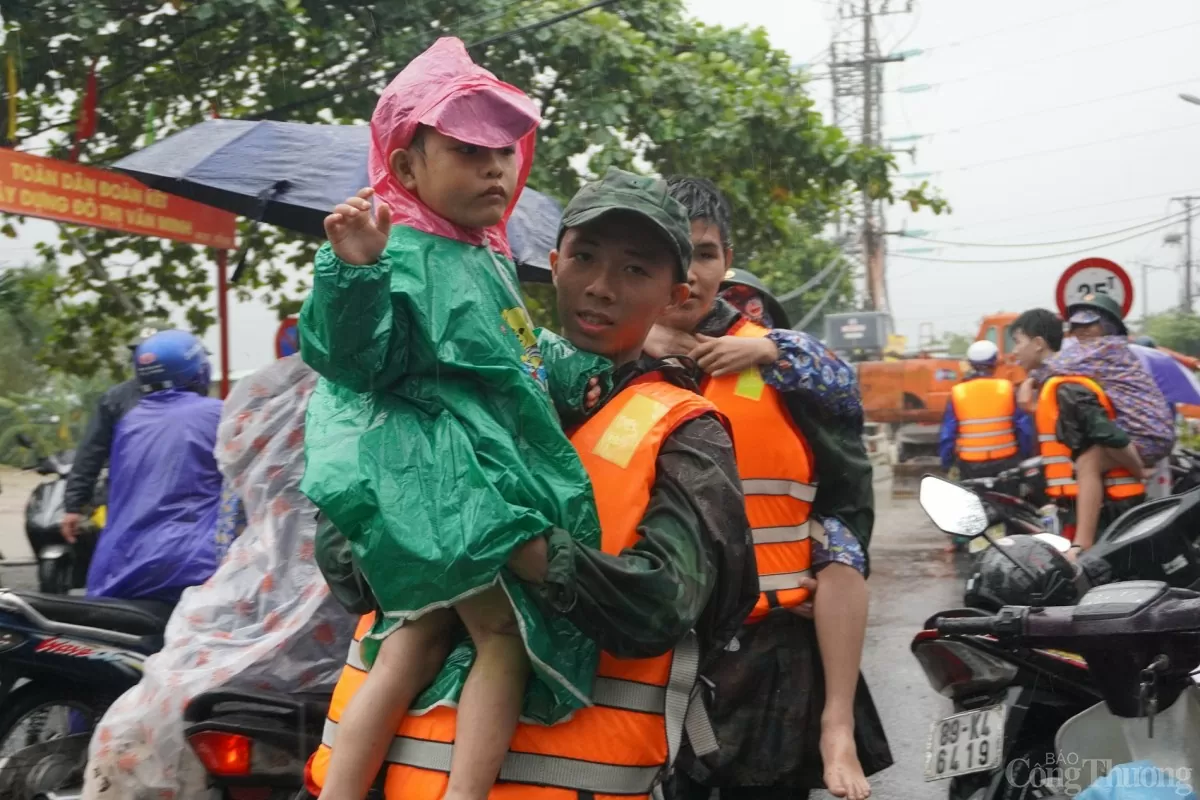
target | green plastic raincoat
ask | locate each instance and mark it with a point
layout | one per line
(432, 443)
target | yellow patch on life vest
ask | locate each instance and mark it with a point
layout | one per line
(750, 384)
(623, 435)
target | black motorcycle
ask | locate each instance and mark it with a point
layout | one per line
(61, 566)
(254, 744)
(1141, 640)
(1039, 689)
(63, 661)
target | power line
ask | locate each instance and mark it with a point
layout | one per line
(1061, 107)
(1074, 146)
(1088, 207)
(1057, 55)
(1030, 258)
(481, 43)
(959, 42)
(1174, 217)
(816, 309)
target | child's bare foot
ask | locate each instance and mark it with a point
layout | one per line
(843, 774)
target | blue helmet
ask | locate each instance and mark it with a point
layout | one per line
(172, 360)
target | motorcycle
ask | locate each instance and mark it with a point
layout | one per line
(1007, 497)
(61, 566)
(63, 661)
(1142, 639)
(254, 745)
(1040, 688)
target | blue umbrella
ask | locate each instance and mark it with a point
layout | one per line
(1177, 382)
(291, 174)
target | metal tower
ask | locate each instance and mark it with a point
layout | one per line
(856, 69)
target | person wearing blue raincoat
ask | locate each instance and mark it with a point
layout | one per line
(164, 485)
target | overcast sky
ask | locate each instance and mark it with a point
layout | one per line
(1046, 122)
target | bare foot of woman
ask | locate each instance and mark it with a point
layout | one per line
(843, 774)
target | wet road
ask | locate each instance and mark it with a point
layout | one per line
(911, 579)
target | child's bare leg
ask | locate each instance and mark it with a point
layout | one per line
(408, 661)
(492, 696)
(840, 613)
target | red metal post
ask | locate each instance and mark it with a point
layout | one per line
(223, 318)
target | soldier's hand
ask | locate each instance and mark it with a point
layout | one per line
(70, 527)
(805, 609)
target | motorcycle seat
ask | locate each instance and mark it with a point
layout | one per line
(135, 617)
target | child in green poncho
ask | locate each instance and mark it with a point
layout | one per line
(432, 443)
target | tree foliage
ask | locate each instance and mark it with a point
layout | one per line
(956, 344)
(50, 409)
(636, 84)
(1175, 331)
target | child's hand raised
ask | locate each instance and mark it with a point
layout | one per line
(356, 237)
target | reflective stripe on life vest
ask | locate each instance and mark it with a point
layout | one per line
(1057, 465)
(620, 745)
(778, 477)
(984, 408)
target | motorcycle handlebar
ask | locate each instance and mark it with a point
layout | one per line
(1009, 621)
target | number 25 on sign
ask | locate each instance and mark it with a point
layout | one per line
(1093, 276)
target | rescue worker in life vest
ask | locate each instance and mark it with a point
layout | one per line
(789, 707)
(1073, 417)
(984, 431)
(676, 553)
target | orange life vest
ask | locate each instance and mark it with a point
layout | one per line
(984, 408)
(619, 746)
(778, 476)
(1059, 469)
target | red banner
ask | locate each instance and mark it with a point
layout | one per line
(45, 187)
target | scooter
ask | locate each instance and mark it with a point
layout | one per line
(1041, 689)
(63, 661)
(61, 566)
(1142, 640)
(254, 744)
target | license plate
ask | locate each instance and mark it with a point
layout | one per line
(972, 741)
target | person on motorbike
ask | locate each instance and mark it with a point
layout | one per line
(265, 621)
(1088, 414)
(164, 485)
(92, 453)
(797, 418)
(984, 430)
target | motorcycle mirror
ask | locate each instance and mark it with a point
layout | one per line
(953, 509)
(1059, 543)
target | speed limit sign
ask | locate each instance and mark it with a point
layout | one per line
(1094, 276)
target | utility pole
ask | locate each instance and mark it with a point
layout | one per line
(856, 72)
(1186, 304)
(1145, 294)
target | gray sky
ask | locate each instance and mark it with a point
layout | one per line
(1047, 122)
(1050, 121)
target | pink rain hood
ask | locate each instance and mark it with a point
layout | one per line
(444, 89)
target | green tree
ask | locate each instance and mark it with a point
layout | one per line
(49, 408)
(634, 83)
(1179, 332)
(957, 343)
